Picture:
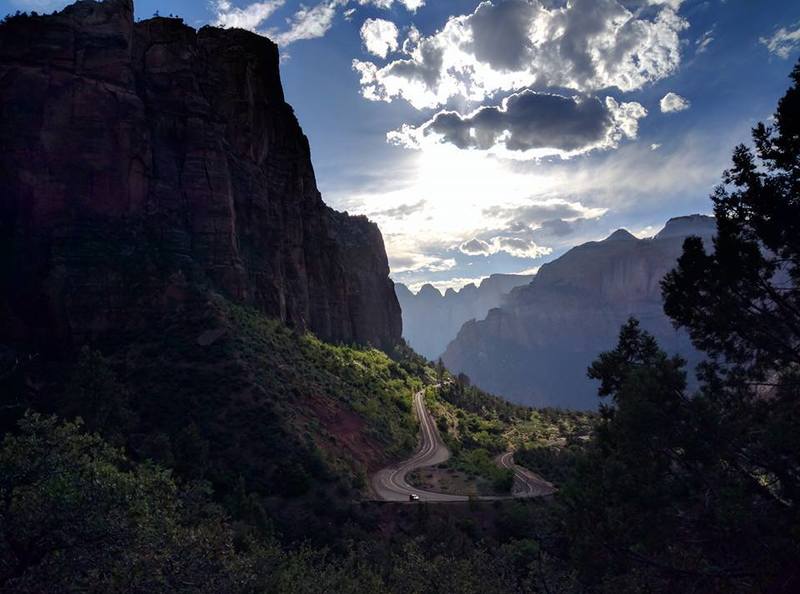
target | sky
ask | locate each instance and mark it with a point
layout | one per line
(490, 137)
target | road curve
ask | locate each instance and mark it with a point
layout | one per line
(526, 483)
(390, 483)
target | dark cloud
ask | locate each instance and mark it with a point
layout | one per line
(557, 227)
(475, 247)
(400, 211)
(531, 121)
(538, 214)
(501, 34)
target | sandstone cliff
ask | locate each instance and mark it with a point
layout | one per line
(139, 158)
(431, 320)
(535, 349)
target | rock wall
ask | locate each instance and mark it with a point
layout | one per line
(141, 157)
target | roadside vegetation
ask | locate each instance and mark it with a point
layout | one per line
(478, 427)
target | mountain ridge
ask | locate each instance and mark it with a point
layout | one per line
(431, 319)
(535, 348)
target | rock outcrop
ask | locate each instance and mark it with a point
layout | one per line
(536, 348)
(431, 320)
(139, 158)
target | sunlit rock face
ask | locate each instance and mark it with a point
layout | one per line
(139, 158)
(536, 348)
(431, 320)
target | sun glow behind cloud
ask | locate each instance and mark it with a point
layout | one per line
(445, 202)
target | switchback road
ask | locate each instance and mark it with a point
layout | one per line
(526, 483)
(390, 484)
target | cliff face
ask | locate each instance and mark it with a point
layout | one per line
(535, 349)
(139, 158)
(431, 320)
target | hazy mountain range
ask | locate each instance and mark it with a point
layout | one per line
(535, 348)
(431, 320)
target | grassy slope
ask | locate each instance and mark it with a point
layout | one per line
(279, 413)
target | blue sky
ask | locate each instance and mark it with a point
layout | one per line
(491, 137)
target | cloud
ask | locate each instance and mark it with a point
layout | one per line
(540, 211)
(308, 23)
(251, 17)
(528, 271)
(531, 125)
(411, 5)
(673, 102)
(420, 263)
(523, 228)
(705, 40)
(305, 23)
(475, 247)
(586, 45)
(783, 42)
(673, 4)
(519, 247)
(400, 211)
(379, 36)
(456, 283)
(655, 146)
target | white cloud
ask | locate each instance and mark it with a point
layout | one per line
(251, 17)
(528, 271)
(379, 36)
(655, 146)
(456, 283)
(646, 232)
(305, 23)
(411, 5)
(705, 40)
(308, 23)
(673, 4)
(586, 45)
(530, 125)
(783, 42)
(519, 247)
(672, 102)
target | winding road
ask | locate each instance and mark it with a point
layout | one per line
(526, 483)
(390, 484)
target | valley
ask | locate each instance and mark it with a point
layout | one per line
(211, 382)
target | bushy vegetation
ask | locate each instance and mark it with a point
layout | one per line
(477, 427)
(699, 490)
(76, 515)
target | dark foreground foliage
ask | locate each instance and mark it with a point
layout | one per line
(699, 491)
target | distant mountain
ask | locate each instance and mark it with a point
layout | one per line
(431, 320)
(535, 348)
